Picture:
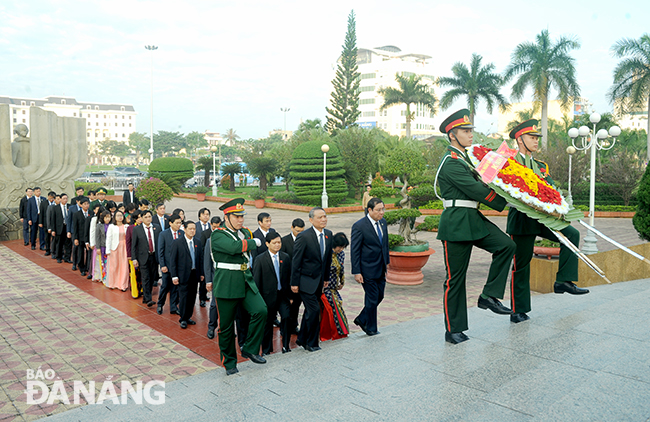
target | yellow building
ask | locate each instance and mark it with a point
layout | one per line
(555, 112)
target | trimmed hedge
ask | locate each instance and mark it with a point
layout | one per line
(605, 194)
(306, 172)
(286, 197)
(174, 171)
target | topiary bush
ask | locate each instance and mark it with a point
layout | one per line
(154, 190)
(174, 171)
(307, 174)
(641, 219)
(422, 195)
(431, 223)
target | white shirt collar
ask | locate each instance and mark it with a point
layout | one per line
(293, 237)
(318, 232)
(263, 232)
(373, 222)
(273, 254)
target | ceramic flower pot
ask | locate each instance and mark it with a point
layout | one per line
(406, 263)
(545, 250)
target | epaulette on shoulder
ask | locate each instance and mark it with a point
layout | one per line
(220, 228)
(453, 155)
(543, 166)
(248, 230)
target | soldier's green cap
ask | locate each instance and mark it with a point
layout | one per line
(458, 119)
(529, 127)
(234, 206)
(102, 190)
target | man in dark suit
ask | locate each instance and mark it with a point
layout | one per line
(81, 238)
(208, 272)
(272, 274)
(143, 252)
(160, 218)
(202, 226)
(369, 257)
(128, 197)
(72, 209)
(312, 258)
(186, 268)
(60, 231)
(263, 228)
(49, 218)
(44, 221)
(34, 218)
(297, 226)
(164, 252)
(23, 214)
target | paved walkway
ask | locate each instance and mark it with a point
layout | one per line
(113, 332)
(580, 358)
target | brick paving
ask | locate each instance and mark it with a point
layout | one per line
(115, 335)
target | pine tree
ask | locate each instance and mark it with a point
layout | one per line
(345, 97)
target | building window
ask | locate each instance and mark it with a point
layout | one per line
(23, 103)
(129, 117)
(129, 124)
(123, 135)
(403, 125)
(97, 124)
(88, 123)
(403, 113)
(15, 120)
(368, 114)
(122, 116)
(62, 101)
(104, 116)
(103, 135)
(23, 120)
(88, 134)
(14, 111)
(104, 123)
(122, 124)
(367, 101)
(366, 88)
(115, 124)
(97, 116)
(122, 108)
(75, 115)
(368, 76)
(23, 111)
(87, 107)
(32, 103)
(96, 107)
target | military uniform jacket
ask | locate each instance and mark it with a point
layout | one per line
(232, 248)
(459, 180)
(518, 222)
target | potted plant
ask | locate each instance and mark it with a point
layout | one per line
(259, 196)
(546, 247)
(200, 192)
(407, 254)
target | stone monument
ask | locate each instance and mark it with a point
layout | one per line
(52, 157)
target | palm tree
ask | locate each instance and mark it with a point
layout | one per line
(476, 83)
(632, 75)
(263, 168)
(205, 163)
(410, 91)
(231, 169)
(231, 136)
(543, 65)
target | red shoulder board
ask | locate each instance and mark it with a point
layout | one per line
(453, 155)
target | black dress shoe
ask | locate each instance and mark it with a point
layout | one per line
(83, 273)
(58, 261)
(202, 304)
(47, 253)
(276, 322)
(159, 310)
(312, 349)
(210, 334)
(455, 338)
(231, 371)
(285, 350)
(173, 312)
(253, 358)
(26, 244)
(569, 287)
(53, 257)
(183, 324)
(372, 333)
(191, 322)
(67, 261)
(33, 248)
(295, 330)
(151, 303)
(519, 317)
(74, 268)
(494, 305)
(363, 327)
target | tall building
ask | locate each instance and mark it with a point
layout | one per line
(103, 121)
(378, 67)
(634, 118)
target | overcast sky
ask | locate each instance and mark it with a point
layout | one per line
(234, 64)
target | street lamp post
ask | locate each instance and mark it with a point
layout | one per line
(570, 150)
(285, 110)
(324, 199)
(151, 48)
(590, 139)
(213, 148)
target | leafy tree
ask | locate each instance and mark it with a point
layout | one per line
(308, 125)
(345, 97)
(231, 169)
(195, 140)
(622, 172)
(641, 219)
(114, 148)
(543, 65)
(281, 154)
(231, 136)
(632, 77)
(165, 142)
(411, 91)
(477, 83)
(359, 153)
(140, 143)
(205, 163)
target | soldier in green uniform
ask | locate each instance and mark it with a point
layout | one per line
(462, 226)
(101, 198)
(524, 230)
(234, 285)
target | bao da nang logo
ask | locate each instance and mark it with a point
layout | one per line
(39, 392)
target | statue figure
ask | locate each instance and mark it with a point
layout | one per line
(20, 147)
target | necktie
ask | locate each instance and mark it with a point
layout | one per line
(162, 223)
(192, 253)
(276, 265)
(381, 236)
(38, 205)
(175, 235)
(85, 214)
(65, 212)
(322, 246)
(150, 239)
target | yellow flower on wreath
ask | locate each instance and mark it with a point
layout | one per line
(527, 175)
